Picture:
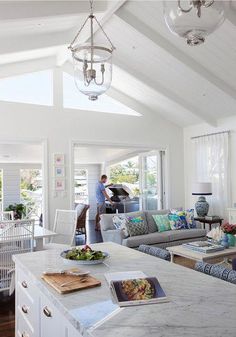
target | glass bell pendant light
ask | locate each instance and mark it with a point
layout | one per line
(193, 19)
(92, 62)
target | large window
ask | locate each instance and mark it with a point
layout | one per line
(81, 186)
(127, 173)
(31, 192)
(33, 88)
(144, 175)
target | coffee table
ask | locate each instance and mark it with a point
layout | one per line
(198, 256)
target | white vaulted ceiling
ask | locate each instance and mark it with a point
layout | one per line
(154, 70)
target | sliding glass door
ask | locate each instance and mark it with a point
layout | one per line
(152, 180)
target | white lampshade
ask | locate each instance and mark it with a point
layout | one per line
(202, 189)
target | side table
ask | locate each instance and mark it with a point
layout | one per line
(209, 222)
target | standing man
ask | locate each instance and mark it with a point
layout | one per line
(101, 196)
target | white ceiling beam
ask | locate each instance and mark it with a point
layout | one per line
(164, 91)
(23, 43)
(29, 66)
(230, 11)
(131, 20)
(21, 10)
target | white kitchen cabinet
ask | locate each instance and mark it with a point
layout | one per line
(52, 321)
(36, 315)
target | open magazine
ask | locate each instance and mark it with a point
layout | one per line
(136, 291)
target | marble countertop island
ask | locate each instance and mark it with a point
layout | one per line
(199, 305)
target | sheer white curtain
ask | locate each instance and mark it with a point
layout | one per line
(212, 165)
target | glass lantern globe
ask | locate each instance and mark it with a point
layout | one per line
(92, 69)
(193, 19)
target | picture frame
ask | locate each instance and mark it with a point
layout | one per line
(59, 171)
(59, 185)
(59, 159)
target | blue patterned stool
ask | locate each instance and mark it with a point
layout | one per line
(216, 270)
(155, 251)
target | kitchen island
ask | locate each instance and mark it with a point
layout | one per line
(199, 305)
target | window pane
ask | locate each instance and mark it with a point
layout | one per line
(33, 88)
(81, 186)
(31, 192)
(127, 173)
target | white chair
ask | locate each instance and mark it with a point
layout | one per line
(16, 237)
(65, 227)
(6, 215)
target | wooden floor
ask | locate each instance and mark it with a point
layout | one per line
(7, 316)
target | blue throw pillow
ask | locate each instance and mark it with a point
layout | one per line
(190, 218)
(178, 220)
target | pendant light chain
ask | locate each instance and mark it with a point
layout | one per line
(91, 6)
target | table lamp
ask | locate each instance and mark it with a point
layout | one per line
(202, 189)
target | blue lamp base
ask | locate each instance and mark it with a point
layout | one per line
(202, 207)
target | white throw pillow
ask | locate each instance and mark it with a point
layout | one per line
(120, 222)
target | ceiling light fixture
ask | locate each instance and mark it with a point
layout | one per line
(92, 62)
(193, 19)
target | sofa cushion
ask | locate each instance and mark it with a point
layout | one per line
(120, 222)
(162, 221)
(136, 225)
(182, 234)
(190, 218)
(177, 221)
(152, 227)
(106, 222)
(147, 239)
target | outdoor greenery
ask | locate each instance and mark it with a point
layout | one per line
(29, 179)
(18, 209)
(126, 172)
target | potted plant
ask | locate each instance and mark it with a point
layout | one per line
(18, 209)
(230, 231)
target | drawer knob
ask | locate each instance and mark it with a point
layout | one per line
(24, 309)
(24, 284)
(24, 334)
(47, 312)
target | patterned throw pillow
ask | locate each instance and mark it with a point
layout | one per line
(177, 221)
(162, 222)
(120, 222)
(136, 226)
(190, 218)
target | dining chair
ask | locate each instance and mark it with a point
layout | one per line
(81, 210)
(65, 227)
(6, 215)
(16, 237)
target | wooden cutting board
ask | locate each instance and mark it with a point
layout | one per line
(56, 280)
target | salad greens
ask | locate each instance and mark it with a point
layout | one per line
(85, 253)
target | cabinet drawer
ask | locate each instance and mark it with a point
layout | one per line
(22, 327)
(28, 307)
(52, 321)
(25, 283)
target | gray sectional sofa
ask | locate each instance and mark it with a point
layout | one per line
(154, 238)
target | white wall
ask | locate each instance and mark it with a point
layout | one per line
(11, 181)
(59, 126)
(201, 129)
(93, 175)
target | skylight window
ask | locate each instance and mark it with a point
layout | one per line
(33, 88)
(73, 99)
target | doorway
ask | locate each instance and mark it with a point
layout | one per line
(141, 170)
